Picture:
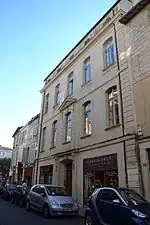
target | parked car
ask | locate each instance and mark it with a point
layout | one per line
(51, 200)
(117, 206)
(7, 192)
(19, 195)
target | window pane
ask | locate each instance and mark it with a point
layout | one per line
(113, 108)
(68, 126)
(116, 111)
(70, 83)
(57, 95)
(87, 119)
(54, 129)
(109, 53)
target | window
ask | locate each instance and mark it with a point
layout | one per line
(46, 103)
(109, 56)
(70, 84)
(43, 137)
(107, 195)
(54, 129)
(68, 126)
(113, 108)
(57, 94)
(87, 118)
(87, 70)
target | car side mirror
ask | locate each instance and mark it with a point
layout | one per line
(117, 201)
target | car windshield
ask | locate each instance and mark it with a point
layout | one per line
(131, 197)
(57, 191)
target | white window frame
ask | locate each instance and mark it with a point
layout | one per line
(87, 69)
(87, 118)
(112, 118)
(109, 54)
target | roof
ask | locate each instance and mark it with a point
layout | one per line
(34, 118)
(116, 3)
(5, 148)
(17, 130)
(134, 11)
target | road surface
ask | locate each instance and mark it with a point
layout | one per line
(12, 214)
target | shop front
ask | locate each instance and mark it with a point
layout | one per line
(28, 174)
(46, 174)
(99, 172)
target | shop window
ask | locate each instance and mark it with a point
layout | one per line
(68, 126)
(87, 70)
(109, 56)
(70, 84)
(87, 118)
(112, 106)
(54, 131)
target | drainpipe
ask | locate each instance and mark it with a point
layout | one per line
(141, 181)
(121, 103)
(39, 141)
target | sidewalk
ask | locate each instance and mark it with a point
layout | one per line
(82, 210)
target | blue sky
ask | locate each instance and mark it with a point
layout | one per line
(34, 36)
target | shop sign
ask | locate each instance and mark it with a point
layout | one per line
(101, 163)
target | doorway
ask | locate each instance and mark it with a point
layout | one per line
(69, 178)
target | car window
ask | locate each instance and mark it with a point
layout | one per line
(107, 195)
(131, 197)
(38, 190)
(35, 189)
(57, 191)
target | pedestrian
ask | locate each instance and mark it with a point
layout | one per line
(24, 184)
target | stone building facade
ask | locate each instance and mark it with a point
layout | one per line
(135, 62)
(25, 151)
(88, 132)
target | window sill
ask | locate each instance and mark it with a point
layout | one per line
(66, 142)
(114, 126)
(52, 147)
(85, 136)
(87, 83)
(109, 67)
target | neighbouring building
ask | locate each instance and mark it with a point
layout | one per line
(135, 62)
(5, 157)
(24, 151)
(88, 134)
(5, 152)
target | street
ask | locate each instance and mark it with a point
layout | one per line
(12, 214)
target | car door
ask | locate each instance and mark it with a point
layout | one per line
(110, 211)
(33, 196)
(41, 197)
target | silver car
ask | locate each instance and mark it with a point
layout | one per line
(51, 201)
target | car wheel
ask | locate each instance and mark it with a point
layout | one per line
(46, 211)
(88, 220)
(28, 206)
